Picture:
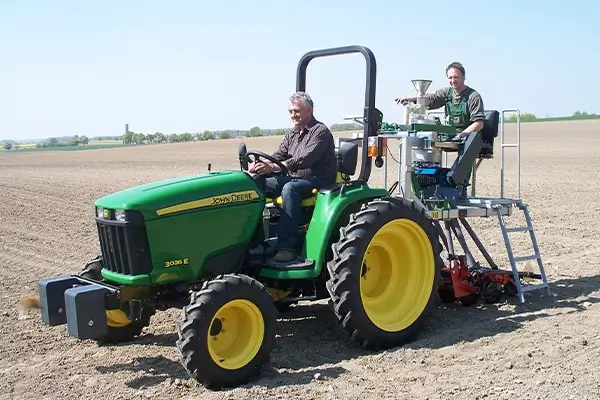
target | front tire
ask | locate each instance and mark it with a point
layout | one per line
(227, 332)
(385, 273)
(120, 329)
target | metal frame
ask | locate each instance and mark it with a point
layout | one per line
(470, 207)
(371, 115)
(504, 145)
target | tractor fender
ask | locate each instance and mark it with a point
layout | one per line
(332, 211)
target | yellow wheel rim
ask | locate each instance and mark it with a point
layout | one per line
(236, 334)
(117, 319)
(397, 275)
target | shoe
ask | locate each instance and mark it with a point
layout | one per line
(269, 250)
(284, 256)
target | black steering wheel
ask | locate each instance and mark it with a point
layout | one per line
(258, 154)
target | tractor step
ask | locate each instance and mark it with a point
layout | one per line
(298, 263)
(261, 257)
(514, 260)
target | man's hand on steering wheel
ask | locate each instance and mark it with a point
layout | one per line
(263, 167)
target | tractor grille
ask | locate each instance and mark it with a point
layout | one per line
(124, 247)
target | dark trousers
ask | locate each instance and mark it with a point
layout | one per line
(292, 191)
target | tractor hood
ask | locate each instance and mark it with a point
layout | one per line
(164, 198)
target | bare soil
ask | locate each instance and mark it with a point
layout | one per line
(548, 348)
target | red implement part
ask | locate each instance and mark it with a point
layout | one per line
(502, 279)
(460, 279)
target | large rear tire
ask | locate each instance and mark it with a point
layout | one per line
(227, 332)
(385, 273)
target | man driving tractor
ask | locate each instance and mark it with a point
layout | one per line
(308, 153)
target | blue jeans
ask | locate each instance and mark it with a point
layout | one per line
(292, 191)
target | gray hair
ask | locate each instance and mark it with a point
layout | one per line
(303, 97)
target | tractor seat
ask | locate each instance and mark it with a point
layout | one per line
(307, 202)
(347, 158)
(489, 132)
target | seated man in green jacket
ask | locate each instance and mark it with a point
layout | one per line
(463, 105)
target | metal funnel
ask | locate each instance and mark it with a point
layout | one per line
(421, 85)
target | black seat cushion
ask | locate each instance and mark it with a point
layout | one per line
(490, 126)
(347, 155)
(489, 132)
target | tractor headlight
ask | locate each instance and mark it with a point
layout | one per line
(120, 215)
(99, 212)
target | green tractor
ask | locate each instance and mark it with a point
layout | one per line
(199, 243)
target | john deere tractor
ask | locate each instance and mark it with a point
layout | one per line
(200, 243)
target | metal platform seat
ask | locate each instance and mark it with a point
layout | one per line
(488, 134)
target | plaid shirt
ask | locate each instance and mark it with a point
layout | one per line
(309, 152)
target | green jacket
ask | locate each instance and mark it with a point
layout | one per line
(462, 109)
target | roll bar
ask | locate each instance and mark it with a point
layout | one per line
(372, 116)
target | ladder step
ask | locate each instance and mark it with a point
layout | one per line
(520, 229)
(521, 289)
(537, 286)
(526, 258)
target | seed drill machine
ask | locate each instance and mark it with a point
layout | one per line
(200, 243)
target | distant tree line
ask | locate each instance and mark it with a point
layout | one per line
(525, 117)
(351, 126)
(75, 140)
(159, 137)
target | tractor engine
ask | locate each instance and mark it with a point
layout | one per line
(179, 229)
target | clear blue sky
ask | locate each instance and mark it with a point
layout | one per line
(82, 67)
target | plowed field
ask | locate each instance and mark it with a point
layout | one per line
(548, 348)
